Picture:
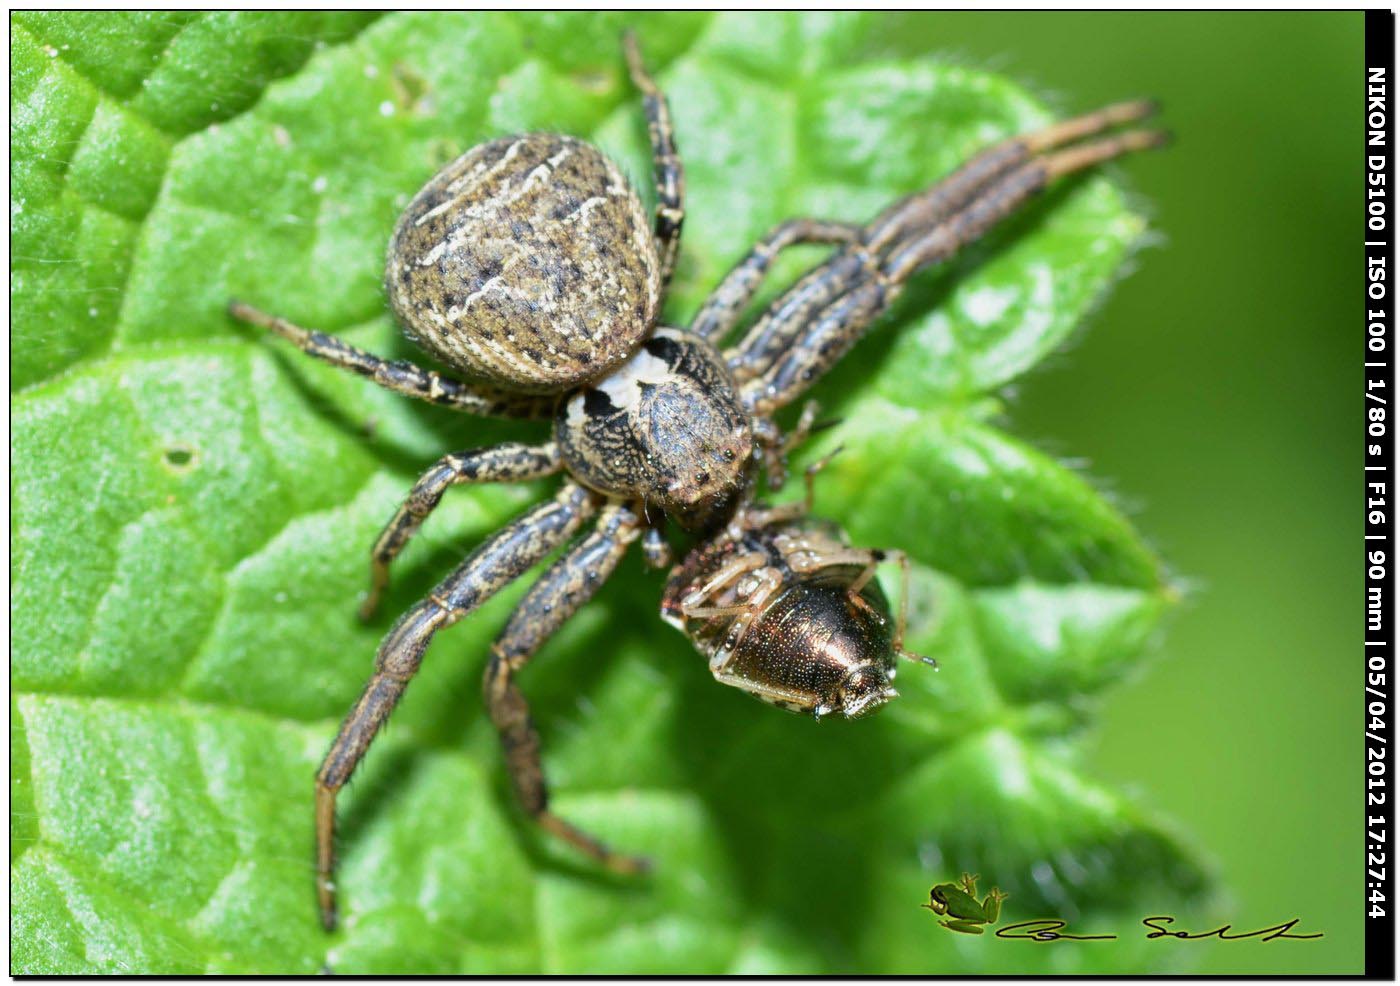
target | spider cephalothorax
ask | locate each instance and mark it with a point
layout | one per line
(666, 428)
(527, 266)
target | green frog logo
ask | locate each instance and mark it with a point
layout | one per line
(959, 902)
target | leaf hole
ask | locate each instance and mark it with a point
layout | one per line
(180, 458)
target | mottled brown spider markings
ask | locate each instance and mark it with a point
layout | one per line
(538, 244)
(528, 267)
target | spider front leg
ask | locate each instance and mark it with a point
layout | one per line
(860, 281)
(509, 462)
(568, 584)
(996, 202)
(815, 340)
(666, 163)
(936, 203)
(721, 310)
(400, 376)
(497, 562)
(820, 287)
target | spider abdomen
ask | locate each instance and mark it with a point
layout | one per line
(528, 262)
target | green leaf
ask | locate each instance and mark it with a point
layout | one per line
(192, 505)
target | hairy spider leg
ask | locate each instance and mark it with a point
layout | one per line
(773, 332)
(906, 257)
(498, 561)
(509, 462)
(938, 202)
(668, 173)
(400, 376)
(568, 584)
(823, 336)
(721, 310)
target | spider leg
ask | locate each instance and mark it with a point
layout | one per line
(770, 335)
(936, 203)
(1001, 199)
(509, 462)
(721, 310)
(497, 562)
(568, 584)
(399, 376)
(821, 338)
(666, 163)
(773, 332)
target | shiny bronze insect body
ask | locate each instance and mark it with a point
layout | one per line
(786, 610)
(527, 266)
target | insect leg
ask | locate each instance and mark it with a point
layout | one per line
(666, 163)
(768, 691)
(820, 342)
(497, 562)
(749, 561)
(786, 512)
(721, 310)
(399, 376)
(872, 559)
(567, 585)
(699, 604)
(902, 620)
(509, 462)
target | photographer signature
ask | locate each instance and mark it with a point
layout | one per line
(962, 912)
(1052, 929)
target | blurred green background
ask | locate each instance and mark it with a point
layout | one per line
(1219, 390)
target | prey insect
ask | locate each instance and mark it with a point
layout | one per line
(529, 266)
(788, 611)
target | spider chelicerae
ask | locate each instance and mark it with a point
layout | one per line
(530, 265)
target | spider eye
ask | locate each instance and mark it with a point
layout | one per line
(730, 455)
